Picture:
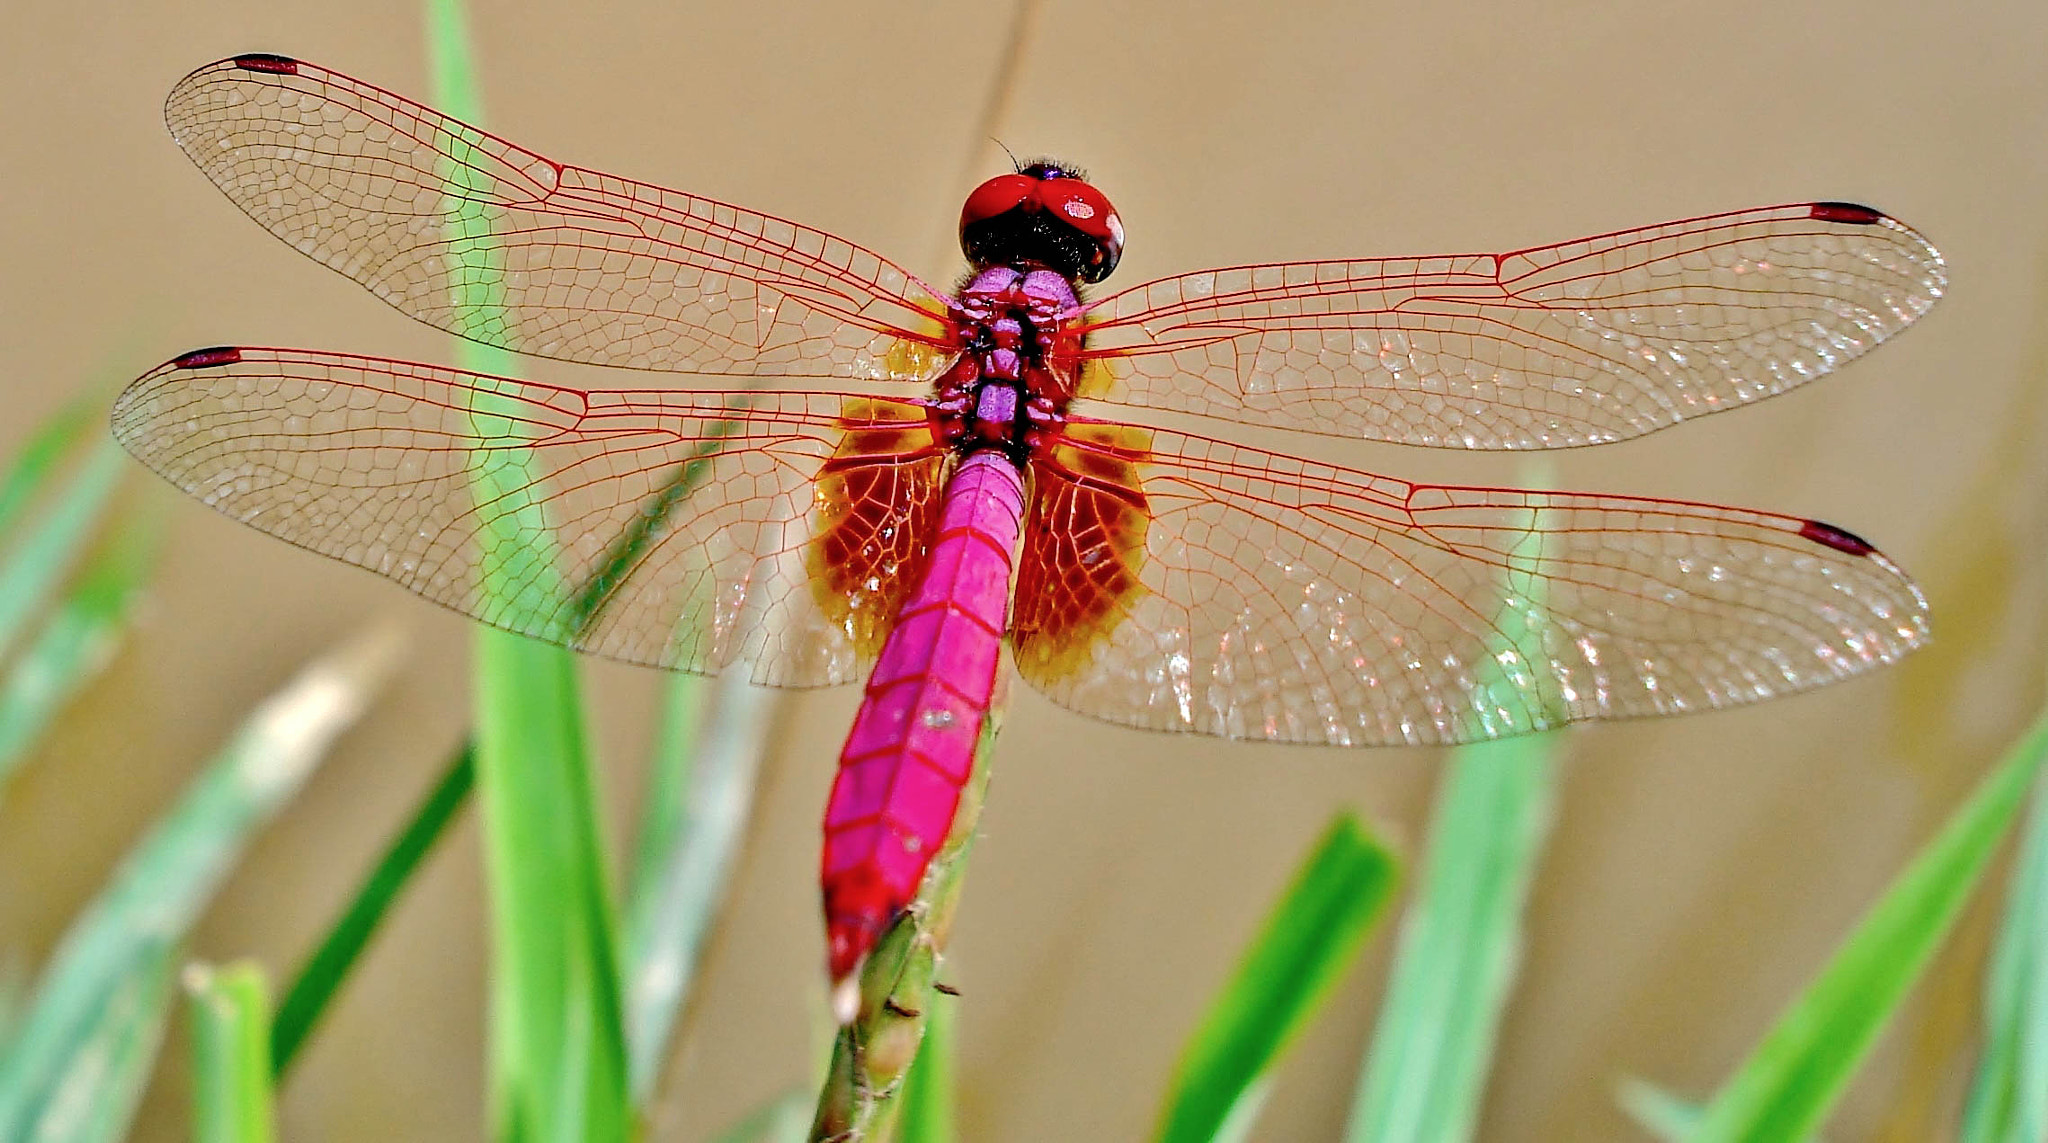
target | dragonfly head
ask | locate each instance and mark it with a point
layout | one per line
(1047, 215)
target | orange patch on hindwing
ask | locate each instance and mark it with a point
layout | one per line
(1087, 376)
(875, 509)
(911, 360)
(1084, 545)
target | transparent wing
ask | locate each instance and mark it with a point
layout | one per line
(1180, 583)
(1579, 343)
(471, 234)
(674, 529)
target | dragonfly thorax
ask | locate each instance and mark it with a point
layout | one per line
(1005, 389)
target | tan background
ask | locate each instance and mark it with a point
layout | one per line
(1700, 868)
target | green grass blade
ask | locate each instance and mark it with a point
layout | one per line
(2009, 1096)
(558, 1055)
(77, 639)
(927, 1115)
(329, 965)
(47, 547)
(1313, 935)
(1662, 1114)
(558, 1047)
(666, 812)
(1657, 1111)
(1785, 1087)
(95, 1098)
(13, 998)
(696, 820)
(33, 467)
(159, 890)
(1425, 1075)
(1460, 946)
(230, 1054)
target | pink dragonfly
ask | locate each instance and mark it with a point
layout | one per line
(1143, 575)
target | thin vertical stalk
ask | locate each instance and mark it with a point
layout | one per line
(558, 1055)
(698, 808)
(1424, 1077)
(2009, 1096)
(231, 1097)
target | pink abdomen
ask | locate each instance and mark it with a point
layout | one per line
(912, 746)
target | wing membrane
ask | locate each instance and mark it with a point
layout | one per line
(652, 526)
(436, 216)
(1281, 599)
(1579, 343)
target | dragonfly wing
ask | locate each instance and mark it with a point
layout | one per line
(1588, 341)
(474, 235)
(674, 529)
(1179, 583)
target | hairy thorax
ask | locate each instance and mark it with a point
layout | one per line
(1012, 384)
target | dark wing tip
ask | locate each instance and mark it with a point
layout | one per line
(1853, 213)
(1840, 539)
(212, 355)
(267, 61)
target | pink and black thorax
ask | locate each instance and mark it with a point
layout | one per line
(1030, 238)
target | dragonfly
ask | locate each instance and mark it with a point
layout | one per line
(869, 477)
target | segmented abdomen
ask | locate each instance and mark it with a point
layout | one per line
(912, 746)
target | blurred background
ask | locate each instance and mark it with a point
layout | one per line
(1700, 868)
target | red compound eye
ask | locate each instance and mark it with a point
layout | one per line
(999, 195)
(1042, 215)
(1085, 209)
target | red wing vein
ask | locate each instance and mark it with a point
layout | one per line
(583, 266)
(1594, 340)
(433, 476)
(1294, 601)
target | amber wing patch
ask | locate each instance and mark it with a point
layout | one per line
(1084, 542)
(1083, 375)
(876, 508)
(922, 360)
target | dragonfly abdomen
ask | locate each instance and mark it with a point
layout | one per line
(911, 749)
